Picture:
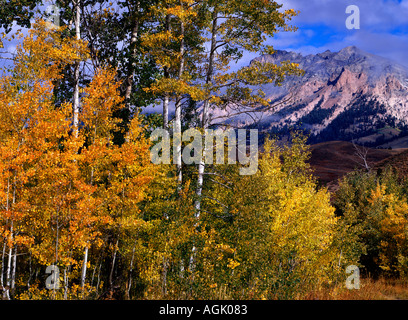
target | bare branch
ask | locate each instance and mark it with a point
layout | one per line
(361, 153)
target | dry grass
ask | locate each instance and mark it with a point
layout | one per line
(382, 289)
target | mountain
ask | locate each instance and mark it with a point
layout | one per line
(346, 95)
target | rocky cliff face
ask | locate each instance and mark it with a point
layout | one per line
(345, 95)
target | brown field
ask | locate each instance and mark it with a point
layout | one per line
(332, 160)
(370, 289)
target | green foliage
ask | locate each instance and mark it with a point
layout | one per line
(17, 11)
(373, 208)
(279, 224)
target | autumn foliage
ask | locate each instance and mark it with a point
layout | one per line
(61, 192)
(78, 190)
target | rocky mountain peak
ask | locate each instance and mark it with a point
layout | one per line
(350, 50)
(344, 95)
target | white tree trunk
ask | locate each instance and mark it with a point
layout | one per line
(204, 121)
(166, 112)
(75, 102)
(84, 266)
(177, 117)
(2, 264)
(166, 96)
(6, 290)
(13, 272)
(204, 124)
(65, 284)
(130, 271)
(113, 265)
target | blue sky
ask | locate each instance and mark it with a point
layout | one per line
(383, 27)
(322, 26)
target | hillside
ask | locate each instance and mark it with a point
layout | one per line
(399, 163)
(332, 160)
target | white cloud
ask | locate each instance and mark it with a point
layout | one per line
(379, 21)
(378, 14)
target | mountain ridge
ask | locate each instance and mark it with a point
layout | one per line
(364, 92)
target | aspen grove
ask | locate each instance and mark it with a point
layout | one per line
(78, 189)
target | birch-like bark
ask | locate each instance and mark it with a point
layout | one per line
(113, 265)
(204, 119)
(6, 290)
(84, 266)
(130, 271)
(99, 277)
(5, 240)
(166, 112)
(2, 264)
(177, 117)
(166, 96)
(65, 284)
(13, 272)
(94, 270)
(75, 102)
(29, 272)
(204, 125)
